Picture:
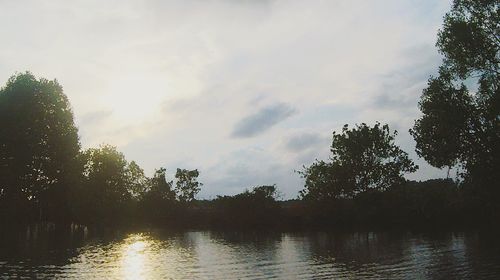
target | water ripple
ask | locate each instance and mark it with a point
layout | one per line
(211, 255)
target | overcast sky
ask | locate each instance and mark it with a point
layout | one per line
(245, 91)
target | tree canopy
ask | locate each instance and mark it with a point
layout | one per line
(460, 124)
(256, 208)
(159, 185)
(187, 185)
(110, 184)
(362, 158)
(39, 144)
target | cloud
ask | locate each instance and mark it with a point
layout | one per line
(96, 116)
(172, 83)
(401, 88)
(298, 143)
(237, 171)
(387, 101)
(262, 121)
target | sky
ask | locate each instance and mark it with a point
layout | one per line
(247, 92)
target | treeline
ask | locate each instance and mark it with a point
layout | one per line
(45, 175)
(459, 129)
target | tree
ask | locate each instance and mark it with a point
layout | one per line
(325, 181)
(106, 170)
(39, 146)
(160, 187)
(158, 204)
(460, 126)
(363, 158)
(111, 183)
(137, 181)
(187, 185)
(257, 208)
(266, 192)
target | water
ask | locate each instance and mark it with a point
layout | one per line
(212, 255)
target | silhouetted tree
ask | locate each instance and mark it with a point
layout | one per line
(137, 181)
(251, 209)
(110, 185)
(268, 192)
(362, 158)
(187, 185)
(38, 148)
(461, 126)
(160, 185)
(158, 203)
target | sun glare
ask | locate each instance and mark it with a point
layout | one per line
(134, 257)
(135, 98)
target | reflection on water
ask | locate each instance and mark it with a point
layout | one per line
(133, 254)
(212, 255)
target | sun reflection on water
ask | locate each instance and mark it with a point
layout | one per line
(134, 255)
(215, 255)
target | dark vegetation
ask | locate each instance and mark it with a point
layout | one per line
(45, 176)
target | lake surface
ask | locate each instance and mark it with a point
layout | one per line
(215, 255)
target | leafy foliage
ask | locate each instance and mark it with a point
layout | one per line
(470, 38)
(187, 185)
(110, 185)
(443, 132)
(250, 209)
(461, 126)
(38, 145)
(137, 180)
(363, 158)
(157, 204)
(160, 186)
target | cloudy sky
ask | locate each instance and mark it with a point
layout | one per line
(245, 91)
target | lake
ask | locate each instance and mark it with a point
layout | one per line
(225, 255)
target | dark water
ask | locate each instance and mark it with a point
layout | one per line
(211, 255)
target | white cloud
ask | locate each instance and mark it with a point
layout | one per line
(167, 81)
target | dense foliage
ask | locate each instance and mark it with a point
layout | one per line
(460, 125)
(39, 148)
(45, 176)
(257, 208)
(363, 158)
(187, 185)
